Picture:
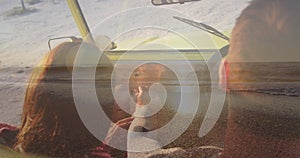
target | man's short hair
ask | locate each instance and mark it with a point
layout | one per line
(266, 36)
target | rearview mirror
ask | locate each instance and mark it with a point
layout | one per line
(165, 2)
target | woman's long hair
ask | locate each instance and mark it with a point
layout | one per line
(50, 123)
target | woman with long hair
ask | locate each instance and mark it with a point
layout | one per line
(50, 123)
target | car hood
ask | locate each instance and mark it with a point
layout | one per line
(185, 40)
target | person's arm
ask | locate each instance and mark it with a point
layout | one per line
(114, 137)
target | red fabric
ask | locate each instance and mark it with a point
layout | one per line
(103, 150)
(8, 134)
(100, 152)
(5, 127)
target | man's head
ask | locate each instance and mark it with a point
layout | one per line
(266, 33)
(262, 72)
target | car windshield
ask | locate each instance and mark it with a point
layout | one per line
(129, 21)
